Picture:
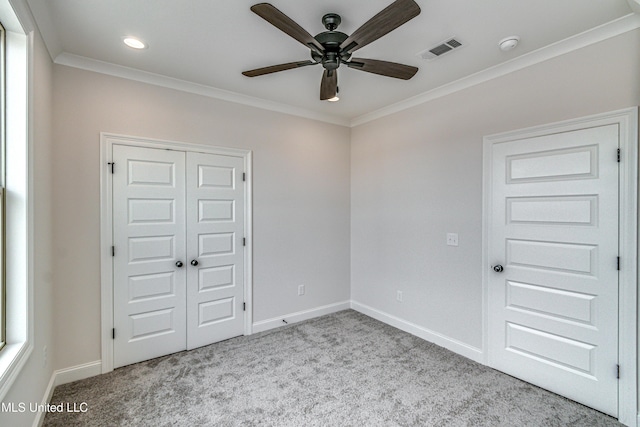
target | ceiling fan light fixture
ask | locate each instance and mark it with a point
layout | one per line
(134, 43)
(336, 97)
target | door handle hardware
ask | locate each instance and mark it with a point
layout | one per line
(179, 264)
(498, 268)
(194, 262)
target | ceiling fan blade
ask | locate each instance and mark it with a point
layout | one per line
(276, 68)
(281, 21)
(384, 68)
(329, 85)
(390, 18)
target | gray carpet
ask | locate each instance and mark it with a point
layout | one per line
(344, 369)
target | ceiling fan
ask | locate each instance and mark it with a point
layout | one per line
(332, 48)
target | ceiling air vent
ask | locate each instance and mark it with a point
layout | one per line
(442, 48)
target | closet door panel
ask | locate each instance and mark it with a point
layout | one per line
(215, 233)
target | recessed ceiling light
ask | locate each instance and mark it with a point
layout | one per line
(134, 43)
(508, 43)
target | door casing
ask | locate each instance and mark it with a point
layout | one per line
(627, 119)
(107, 140)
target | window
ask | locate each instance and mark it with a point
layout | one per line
(16, 235)
(2, 168)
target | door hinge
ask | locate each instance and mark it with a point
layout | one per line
(113, 334)
(244, 176)
(112, 164)
(618, 264)
(113, 251)
(618, 155)
(244, 306)
(244, 241)
(618, 371)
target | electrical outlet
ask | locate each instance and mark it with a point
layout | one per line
(399, 296)
(301, 290)
(452, 239)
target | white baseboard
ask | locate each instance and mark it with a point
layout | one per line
(456, 346)
(79, 372)
(276, 322)
(48, 392)
(64, 376)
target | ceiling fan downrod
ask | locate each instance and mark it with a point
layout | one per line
(331, 41)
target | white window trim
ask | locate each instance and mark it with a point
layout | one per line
(19, 187)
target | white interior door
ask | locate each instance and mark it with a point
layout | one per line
(149, 293)
(215, 230)
(553, 310)
(178, 221)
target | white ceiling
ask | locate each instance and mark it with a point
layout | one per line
(210, 42)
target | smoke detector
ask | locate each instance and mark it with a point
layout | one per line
(508, 43)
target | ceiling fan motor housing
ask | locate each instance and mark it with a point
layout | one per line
(331, 41)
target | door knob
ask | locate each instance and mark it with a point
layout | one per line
(498, 268)
(194, 262)
(179, 264)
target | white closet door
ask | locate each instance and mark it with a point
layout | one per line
(149, 238)
(553, 310)
(215, 233)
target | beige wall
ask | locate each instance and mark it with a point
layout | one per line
(300, 195)
(417, 175)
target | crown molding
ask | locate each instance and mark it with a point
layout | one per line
(634, 5)
(603, 32)
(45, 26)
(17, 15)
(611, 29)
(110, 69)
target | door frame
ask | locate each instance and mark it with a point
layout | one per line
(627, 119)
(107, 141)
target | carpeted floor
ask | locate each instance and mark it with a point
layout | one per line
(344, 369)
